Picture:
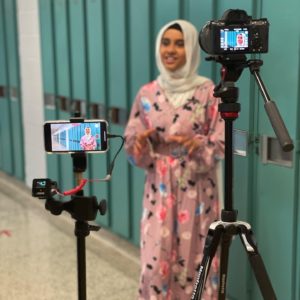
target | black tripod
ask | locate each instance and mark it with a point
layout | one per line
(82, 209)
(222, 232)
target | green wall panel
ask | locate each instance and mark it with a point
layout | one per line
(140, 45)
(271, 178)
(163, 13)
(11, 42)
(116, 43)
(3, 51)
(15, 91)
(141, 68)
(96, 51)
(77, 48)
(6, 163)
(96, 91)
(11, 121)
(61, 24)
(17, 133)
(47, 45)
(5, 154)
(199, 12)
(61, 44)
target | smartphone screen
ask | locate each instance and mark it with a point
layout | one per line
(68, 137)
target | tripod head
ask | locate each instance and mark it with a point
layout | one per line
(80, 207)
(232, 68)
(233, 65)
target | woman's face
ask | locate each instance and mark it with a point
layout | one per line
(172, 51)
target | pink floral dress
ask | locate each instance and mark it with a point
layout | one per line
(88, 143)
(180, 194)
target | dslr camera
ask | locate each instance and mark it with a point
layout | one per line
(235, 33)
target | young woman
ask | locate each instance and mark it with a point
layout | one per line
(176, 134)
(87, 141)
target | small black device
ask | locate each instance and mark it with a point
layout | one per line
(42, 188)
(235, 33)
(76, 136)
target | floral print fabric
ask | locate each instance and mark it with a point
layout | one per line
(181, 195)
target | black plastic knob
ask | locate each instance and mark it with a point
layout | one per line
(102, 207)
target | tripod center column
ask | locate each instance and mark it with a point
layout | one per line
(229, 112)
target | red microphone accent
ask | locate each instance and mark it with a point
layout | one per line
(232, 115)
(77, 188)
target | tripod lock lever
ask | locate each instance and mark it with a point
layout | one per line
(272, 110)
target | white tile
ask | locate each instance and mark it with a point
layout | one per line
(28, 23)
(29, 46)
(27, 5)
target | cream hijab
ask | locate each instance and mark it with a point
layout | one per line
(180, 85)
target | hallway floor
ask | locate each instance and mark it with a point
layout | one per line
(38, 254)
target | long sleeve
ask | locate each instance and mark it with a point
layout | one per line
(137, 123)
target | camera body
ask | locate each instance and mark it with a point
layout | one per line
(235, 33)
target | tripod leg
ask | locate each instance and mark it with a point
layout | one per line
(210, 248)
(257, 264)
(225, 244)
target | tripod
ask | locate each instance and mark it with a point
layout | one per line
(222, 232)
(82, 209)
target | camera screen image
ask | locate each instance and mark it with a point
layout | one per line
(75, 137)
(234, 39)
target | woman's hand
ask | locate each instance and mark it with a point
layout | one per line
(190, 144)
(141, 141)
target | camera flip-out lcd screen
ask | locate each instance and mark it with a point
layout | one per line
(234, 39)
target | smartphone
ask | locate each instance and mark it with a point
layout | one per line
(72, 137)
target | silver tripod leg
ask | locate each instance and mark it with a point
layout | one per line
(221, 233)
(210, 248)
(256, 262)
